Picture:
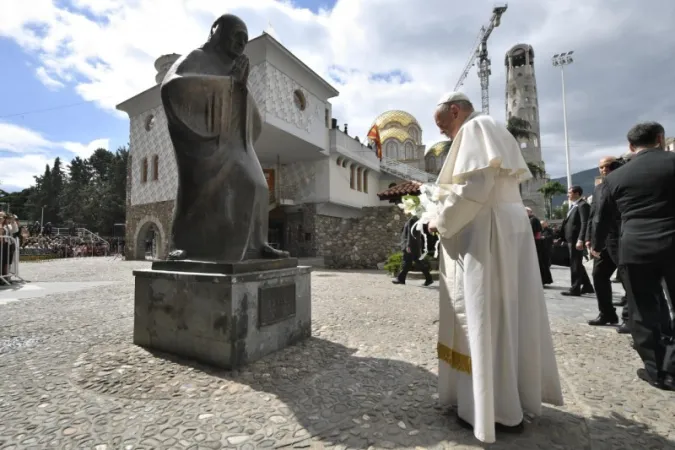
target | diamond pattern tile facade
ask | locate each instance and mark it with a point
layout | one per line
(280, 100)
(156, 141)
(145, 144)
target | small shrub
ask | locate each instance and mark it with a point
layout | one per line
(394, 263)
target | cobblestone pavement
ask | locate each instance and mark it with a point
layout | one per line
(70, 377)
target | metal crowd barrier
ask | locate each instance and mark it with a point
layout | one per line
(12, 274)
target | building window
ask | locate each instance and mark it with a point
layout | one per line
(352, 176)
(327, 118)
(339, 161)
(155, 168)
(149, 122)
(344, 163)
(365, 181)
(409, 151)
(299, 100)
(144, 170)
(391, 150)
(359, 179)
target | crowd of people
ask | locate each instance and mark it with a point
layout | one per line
(38, 241)
(627, 227)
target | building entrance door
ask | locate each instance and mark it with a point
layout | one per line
(275, 234)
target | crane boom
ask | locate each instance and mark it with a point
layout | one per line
(479, 51)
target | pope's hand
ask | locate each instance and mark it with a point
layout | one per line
(432, 226)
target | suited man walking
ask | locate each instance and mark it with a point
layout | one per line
(642, 194)
(573, 231)
(606, 263)
(411, 246)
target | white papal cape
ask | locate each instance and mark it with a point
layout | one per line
(495, 348)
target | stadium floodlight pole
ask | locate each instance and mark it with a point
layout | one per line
(561, 60)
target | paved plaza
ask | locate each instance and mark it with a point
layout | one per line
(70, 377)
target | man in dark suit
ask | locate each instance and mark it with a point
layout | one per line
(605, 264)
(411, 246)
(573, 231)
(642, 194)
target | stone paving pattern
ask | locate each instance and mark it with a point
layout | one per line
(70, 377)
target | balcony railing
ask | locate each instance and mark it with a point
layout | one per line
(352, 148)
(405, 171)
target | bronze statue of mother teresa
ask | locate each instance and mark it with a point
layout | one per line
(222, 205)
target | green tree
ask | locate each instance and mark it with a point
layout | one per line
(549, 190)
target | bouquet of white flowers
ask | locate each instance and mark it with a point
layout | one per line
(425, 207)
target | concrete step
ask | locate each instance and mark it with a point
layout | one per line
(317, 261)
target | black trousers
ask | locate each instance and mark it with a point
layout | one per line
(650, 322)
(603, 268)
(579, 276)
(408, 260)
(544, 257)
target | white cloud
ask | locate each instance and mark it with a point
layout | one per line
(47, 80)
(111, 59)
(18, 171)
(85, 150)
(25, 152)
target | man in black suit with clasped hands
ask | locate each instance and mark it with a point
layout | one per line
(573, 231)
(642, 194)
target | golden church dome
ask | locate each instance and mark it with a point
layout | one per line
(402, 118)
(395, 133)
(438, 148)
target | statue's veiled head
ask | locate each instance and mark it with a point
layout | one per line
(228, 35)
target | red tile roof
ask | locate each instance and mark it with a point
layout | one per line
(407, 188)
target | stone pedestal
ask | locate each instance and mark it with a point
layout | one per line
(222, 314)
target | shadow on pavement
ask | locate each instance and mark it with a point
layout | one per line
(341, 398)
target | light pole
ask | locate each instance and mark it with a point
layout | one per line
(561, 60)
(42, 219)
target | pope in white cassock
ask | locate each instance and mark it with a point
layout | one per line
(495, 348)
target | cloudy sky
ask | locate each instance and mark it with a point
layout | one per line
(67, 63)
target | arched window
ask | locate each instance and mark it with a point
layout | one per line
(339, 161)
(412, 131)
(431, 164)
(344, 163)
(409, 151)
(144, 170)
(359, 179)
(352, 176)
(155, 168)
(365, 181)
(391, 150)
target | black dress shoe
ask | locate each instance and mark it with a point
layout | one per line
(623, 328)
(669, 382)
(622, 302)
(658, 383)
(570, 294)
(428, 282)
(395, 281)
(603, 320)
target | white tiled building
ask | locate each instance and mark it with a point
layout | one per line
(315, 170)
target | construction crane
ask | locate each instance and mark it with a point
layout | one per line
(479, 50)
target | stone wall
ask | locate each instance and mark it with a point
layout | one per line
(359, 243)
(138, 220)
